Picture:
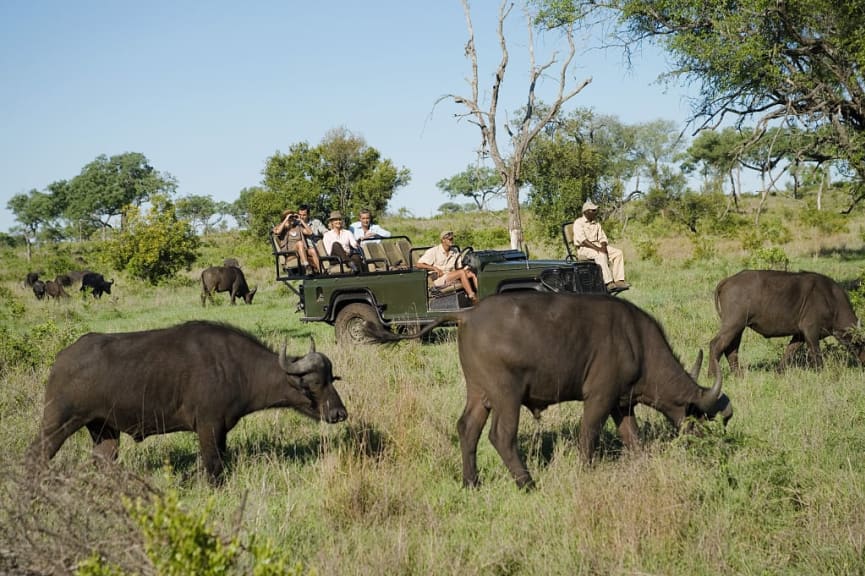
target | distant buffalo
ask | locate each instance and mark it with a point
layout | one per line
(96, 283)
(198, 376)
(31, 279)
(225, 279)
(55, 290)
(805, 305)
(38, 289)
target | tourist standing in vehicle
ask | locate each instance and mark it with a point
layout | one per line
(366, 229)
(340, 243)
(592, 244)
(441, 261)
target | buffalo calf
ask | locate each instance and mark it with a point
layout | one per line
(198, 376)
(38, 289)
(55, 290)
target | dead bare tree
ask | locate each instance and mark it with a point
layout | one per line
(531, 120)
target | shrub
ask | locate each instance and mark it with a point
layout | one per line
(154, 246)
(772, 258)
(824, 221)
(179, 542)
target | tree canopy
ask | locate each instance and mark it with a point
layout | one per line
(107, 185)
(342, 173)
(798, 62)
(479, 183)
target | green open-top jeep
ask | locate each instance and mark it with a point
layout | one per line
(393, 292)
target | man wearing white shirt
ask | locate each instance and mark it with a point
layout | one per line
(364, 229)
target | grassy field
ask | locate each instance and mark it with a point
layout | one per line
(782, 491)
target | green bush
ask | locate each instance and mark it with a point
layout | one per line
(773, 258)
(824, 221)
(155, 246)
(179, 543)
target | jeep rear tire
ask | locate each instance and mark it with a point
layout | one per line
(349, 323)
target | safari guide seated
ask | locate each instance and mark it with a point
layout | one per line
(441, 261)
(592, 244)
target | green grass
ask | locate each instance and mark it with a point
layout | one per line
(782, 491)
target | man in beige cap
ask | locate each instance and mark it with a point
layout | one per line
(441, 261)
(591, 243)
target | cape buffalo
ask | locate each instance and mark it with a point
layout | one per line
(198, 376)
(538, 349)
(97, 284)
(805, 305)
(55, 290)
(31, 279)
(38, 289)
(225, 279)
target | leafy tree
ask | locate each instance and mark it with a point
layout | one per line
(107, 185)
(797, 61)
(34, 212)
(239, 209)
(154, 245)
(341, 173)
(200, 210)
(563, 170)
(479, 183)
(578, 157)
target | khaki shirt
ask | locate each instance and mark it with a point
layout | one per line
(591, 231)
(436, 256)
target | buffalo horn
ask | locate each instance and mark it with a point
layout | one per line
(302, 365)
(695, 371)
(709, 397)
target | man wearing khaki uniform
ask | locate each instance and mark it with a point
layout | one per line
(591, 243)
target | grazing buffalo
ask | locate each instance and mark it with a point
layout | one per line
(225, 279)
(537, 349)
(31, 279)
(55, 290)
(97, 284)
(198, 376)
(805, 305)
(38, 289)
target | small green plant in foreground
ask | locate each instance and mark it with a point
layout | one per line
(179, 543)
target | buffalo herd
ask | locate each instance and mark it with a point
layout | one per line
(89, 280)
(547, 348)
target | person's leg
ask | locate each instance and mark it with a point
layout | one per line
(600, 259)
(313, 257)
(300, 248)
(460, 276)
(617, 263)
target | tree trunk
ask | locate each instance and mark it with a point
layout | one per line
(515, 225)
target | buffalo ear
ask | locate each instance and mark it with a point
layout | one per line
(695, 371)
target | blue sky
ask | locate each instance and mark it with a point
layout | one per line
(207, 91)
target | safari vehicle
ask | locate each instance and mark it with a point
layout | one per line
(393, 292)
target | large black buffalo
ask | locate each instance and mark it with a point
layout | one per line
(537, 349)
(805, 305)
(225, 279)
(96, 283)
(198, 376)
